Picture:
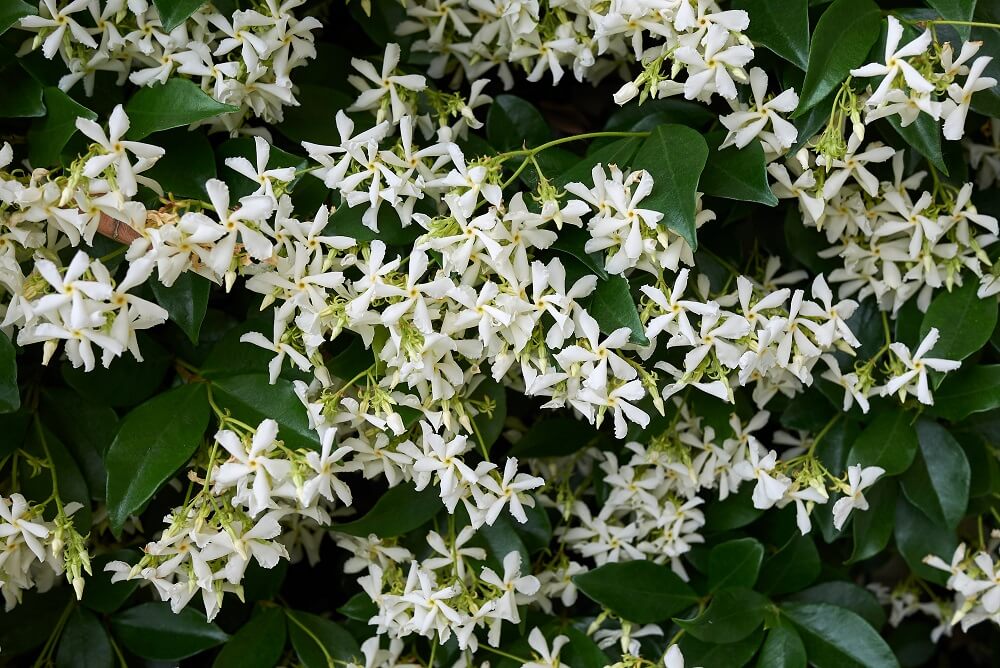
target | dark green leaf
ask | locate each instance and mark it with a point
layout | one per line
(956, 10)
(733, 512)
(735, 563)
(173, 104)
(259, 643)
(10, 395)
(732, 615)
(186, 301)
(713, 655)
(554, 437)
(246, 147)
(43, 444)
(152, 631)
(843, 36)
(612, 306)
(513, 123)
(938, 481)
(398, 511)
(572, 241)
(22, 95)
(838, 638)
(86, 428)
(917, 536)
(359, 607)
(635, 117)
(253, 399)
(335, 644)
(845, 595)
(84, 642)
(964, 320)
(314, 120)
(923, 134)
(782, 648)
(791, 568)
(782, 27)
(675, 156)
(11, 11)
(188, 163)
(30, 623)
(155, 440)
(175, 12)
(873, 527)
(974, 389)
(890, 441)
(639, 591)
(619, 152)
(49, 134)
(103, 595)
(736, 173)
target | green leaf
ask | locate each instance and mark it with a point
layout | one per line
(152, 631)
(923, 134)
(188, 163)
(735, 563)
(155, 440)
(782, 28)
(791, 568)
(838, 638)
(22, 93)
(974, 389)
(86, 428)
(635, 117)
(317, 640)
(259, 643)
(736, 173)
(359, 608)
(513, 123)
(782, 648)
(733, 512)
(11, 11)
(84, 642)
(917, 536)
(639, 591)
(732, 615)
(964, 320)
(399, 510)
(49, 134)
(675, 156)
(890, 441)
(714, 655)
(30, 623)
(347, 221)
(572, 241)
(186, 301)
(103, 595)
(612, 306)
(843, 36)
(619, 152)
(314, 120)
(175, 12)
(252, 398)
(956, 10)
(554, 437)
(10, 395)
(938, 481)
(872, 528)
(845, 595)
(172, 104)
(126, 382)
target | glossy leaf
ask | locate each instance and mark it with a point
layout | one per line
(49, 134)
(735, 563)
(782, 648)
(186, 301)
(780, 27)
(84, 642)
(973, 389)
(956, 10)
(732, 615)
(719, 655)
(398, 511)
(843, 36)
(964, 321)
(154, 441)
(923, 134)
(173, 104)
(175, 12)
(845, 595)
(872, 528)
(318, 642)
(252, 398)
(554, 437)
(889, 441)
(794, 566)
(639, 591)
(736, 173)
(612, 306)
(938, 481)
(259, 643)
(152, 631)
(11, 11)
(513, 123)
(835, 637)
(675, 156)
(918, 536)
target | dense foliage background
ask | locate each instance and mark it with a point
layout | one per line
(579, 339)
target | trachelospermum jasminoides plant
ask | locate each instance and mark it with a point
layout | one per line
(451, 333)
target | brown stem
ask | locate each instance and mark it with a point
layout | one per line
(114, 229)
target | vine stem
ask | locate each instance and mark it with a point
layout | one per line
(566, 140)
(52, 465)
(326, 654)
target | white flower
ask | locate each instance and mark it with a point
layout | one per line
(375, 85)
(16, 523)
(746, 124)
(544, 656)
(895, 62)
(114, 151)
(957, 107)
(859, 479)
(913, 380)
